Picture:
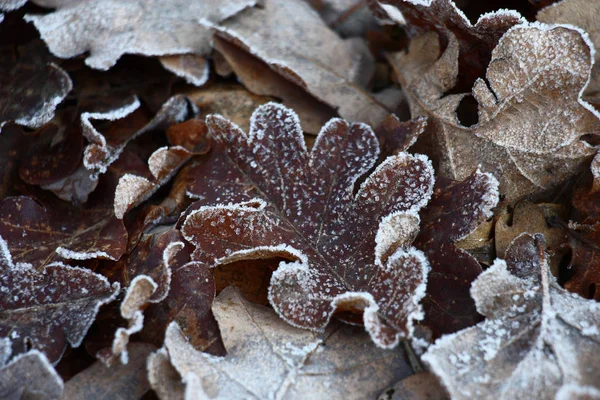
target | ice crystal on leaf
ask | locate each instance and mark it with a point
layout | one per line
(47, 309)
(295, 363)
(279, 199)
(538, 339)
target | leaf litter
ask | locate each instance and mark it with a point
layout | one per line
(152, 155)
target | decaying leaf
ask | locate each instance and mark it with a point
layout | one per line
(121, 381)
(420, 386)
(30, 376)
(47, 309)
(586, 15)
(455, 210)
(105, 148)
(475, 42)
(39, 88)
(295, 364)
(537, 338)
(531, 115)
(333, 70)
(151, 28)
(264, 195)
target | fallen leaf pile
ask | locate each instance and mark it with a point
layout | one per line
(391, 199)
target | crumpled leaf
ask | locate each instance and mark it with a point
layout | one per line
(121, 381)
(586, 15)
(40, 87)
(29, 376)
(105, 148)
(333, 70)
(350, 245)
(454, 211)
(296, 364)
(537, 337)
(536, 71)
(47, 309)
(132, 27)
(475, 42)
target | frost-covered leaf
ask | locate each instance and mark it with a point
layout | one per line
(47, 309)
(146, 27)
(194, 69)
(263, 195)
(531, 116)
(294, 363)
(30, 376)
(475, 42)
(40, 87)
(537, 338)
(132, 189)
(455, 210)
(586, 15)
(120, 381)
(105, 148)
(333, 70)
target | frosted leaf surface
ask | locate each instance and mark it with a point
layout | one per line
(455, 210)
(475, 41)
(536, 70)
(193, 68)
(132, 190)
(537, 338)
(39, 234)
(295, 363)
(105, 148)
(48, 309)
(585, 15)
(30, 376)
(39, 88)
(333, 70)
(277, 199)
(111, 28)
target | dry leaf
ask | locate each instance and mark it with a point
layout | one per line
(333, 70)
(120, 382)
(46, 310)
(295, 364)
(420, 386)
(29, 376)
(586, 15)
(132, 27)
(538, 337)
(350, 245)
(536, 71)
(194, 69)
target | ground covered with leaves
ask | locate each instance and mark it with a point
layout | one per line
(299, 199)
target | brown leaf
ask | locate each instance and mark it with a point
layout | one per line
(333, 70)
(40, 87)
(132, 27)
(194, 69)
(475, 42)
(586, 15)
(537, 339)
(29, 376)
(296, 364)
(47, 309)
(121, 381)
(514, 138)
(455, 210)
(350, 244)
(420, 386)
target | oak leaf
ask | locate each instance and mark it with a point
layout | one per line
(535, 70)
(47, 309)
(350, 244)
(296, 364)
(151, 28)
(537, 338)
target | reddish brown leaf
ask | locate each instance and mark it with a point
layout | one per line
(47, 309)
(351, 251)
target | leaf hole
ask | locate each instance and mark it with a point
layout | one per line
(565, 272)
(467, 111)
